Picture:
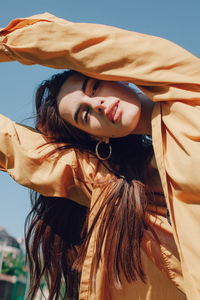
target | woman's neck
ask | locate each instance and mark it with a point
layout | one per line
(144, 124)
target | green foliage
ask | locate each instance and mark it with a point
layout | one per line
(14, 265)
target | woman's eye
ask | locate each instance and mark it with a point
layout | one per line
(95, 87)
(85, 116)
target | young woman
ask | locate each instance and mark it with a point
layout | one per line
(128, 249)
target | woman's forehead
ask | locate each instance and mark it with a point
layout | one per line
(73, 83)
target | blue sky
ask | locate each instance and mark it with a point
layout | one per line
(176, 20)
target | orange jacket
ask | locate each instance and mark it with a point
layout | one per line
(170, 76)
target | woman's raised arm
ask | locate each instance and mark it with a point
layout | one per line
(25, 155)
(158, 66)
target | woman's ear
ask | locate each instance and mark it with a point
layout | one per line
(106, 140)
(102, 139)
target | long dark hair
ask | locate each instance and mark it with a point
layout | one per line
(52, 250)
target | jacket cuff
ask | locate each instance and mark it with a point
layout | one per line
(4, 54)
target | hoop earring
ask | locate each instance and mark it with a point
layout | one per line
(99, 144)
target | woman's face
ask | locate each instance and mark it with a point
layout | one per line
(101, 108)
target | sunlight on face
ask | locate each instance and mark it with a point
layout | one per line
(101, 108)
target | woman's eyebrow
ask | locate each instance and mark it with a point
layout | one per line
(83, 88)
(76, 114)
(84, 84)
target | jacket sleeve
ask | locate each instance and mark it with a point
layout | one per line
(159, 67)
(26, 156)
(176, 142)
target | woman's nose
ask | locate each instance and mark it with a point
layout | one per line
(99, 106)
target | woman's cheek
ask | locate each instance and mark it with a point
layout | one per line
(131, 116)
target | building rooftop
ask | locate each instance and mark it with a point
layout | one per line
(10, 241)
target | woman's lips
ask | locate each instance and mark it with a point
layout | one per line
(114, 112)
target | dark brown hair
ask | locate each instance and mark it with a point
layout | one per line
(55, 251)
